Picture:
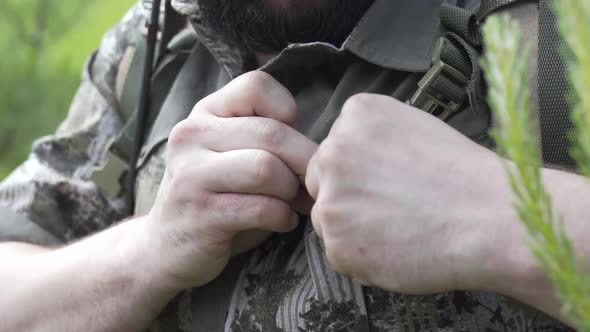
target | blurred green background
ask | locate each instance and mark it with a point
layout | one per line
(43, 46)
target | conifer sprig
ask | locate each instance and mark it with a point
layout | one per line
(574, 16)
(506, 72)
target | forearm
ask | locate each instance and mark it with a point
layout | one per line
(513, 267)
(103, 283)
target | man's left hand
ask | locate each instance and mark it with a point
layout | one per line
(403, 201)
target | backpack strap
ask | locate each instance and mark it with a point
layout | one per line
(554, 90)
(163, 77)
(145, 102)
(130, 94)
(132, 74)
(553, 86)
(455, 77)
(174, 23)
(487, 7)
(179, 41)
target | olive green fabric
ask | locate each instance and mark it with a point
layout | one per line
(554, 90)
(286, 284)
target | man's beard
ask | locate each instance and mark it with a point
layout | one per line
(264, 27)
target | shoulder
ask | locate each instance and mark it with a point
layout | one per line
(52, 190)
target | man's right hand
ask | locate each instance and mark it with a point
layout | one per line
(234, 168)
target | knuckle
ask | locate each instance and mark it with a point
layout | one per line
(184, 178)
(202, 106)
(184, 132)
(182, 193)
(262, 208)
(291, 108)
(181, 177)
(263, 168)
(258, 80)
(326, 213)
(330, 154)
(260, 86)
(207, 105)
(272, 135)
(255, 85)
(356, 103)
(180, 167)
(228, 205)
(268, 213)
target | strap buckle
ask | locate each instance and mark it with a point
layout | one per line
(428, 100)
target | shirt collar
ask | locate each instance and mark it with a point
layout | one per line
(228, 55)
(394, 34)
(397, 34)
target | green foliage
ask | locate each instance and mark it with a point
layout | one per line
(43, 45)
(506, 69)
(574, 16)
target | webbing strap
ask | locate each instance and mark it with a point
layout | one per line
(130, 95)
(454, 77)
(463, 30)
(130, 98)
(174, 23)
(555, 120)
(462, 22)
(163, 79)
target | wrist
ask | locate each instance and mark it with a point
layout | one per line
(141, 254)
(493, 249)
(488, 250)
(512, 270)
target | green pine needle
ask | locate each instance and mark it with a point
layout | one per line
(506, 71)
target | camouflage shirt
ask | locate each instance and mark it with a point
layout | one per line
(286, 284)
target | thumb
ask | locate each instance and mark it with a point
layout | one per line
(312, 177)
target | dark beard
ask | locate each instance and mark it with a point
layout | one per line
(263, 28)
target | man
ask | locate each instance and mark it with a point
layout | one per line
(402, 202)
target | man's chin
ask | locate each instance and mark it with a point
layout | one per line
(267, 26)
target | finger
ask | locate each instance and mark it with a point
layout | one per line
(316, 221)
(303, 202)
(292, 147)
(249, 172)
(252, 94)
(312, 177)
(243, 212)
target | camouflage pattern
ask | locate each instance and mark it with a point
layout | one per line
(287, 283)
(52, 187)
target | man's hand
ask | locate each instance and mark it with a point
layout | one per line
(402, 198)
(235, 166)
